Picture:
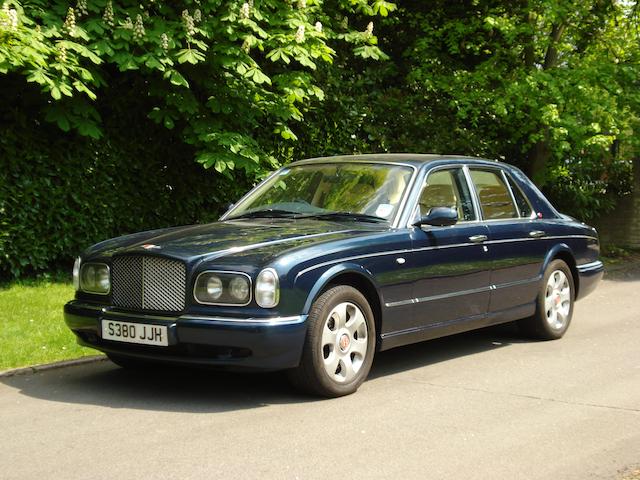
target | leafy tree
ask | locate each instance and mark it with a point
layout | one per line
(230, 75)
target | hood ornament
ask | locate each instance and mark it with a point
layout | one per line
(151, 246)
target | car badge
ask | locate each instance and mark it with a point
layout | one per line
(151, 246)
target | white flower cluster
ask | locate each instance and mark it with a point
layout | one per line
(69, 25)
(9, 18)
(81, 8)
(300, 34)
(369, 30)
(128, 23)
(245, 11)
(318, 27)
(138, 29)
(108, 16)
(189, 24)
(197, 15)
(164, 42)
(62, 53)
(302, 4)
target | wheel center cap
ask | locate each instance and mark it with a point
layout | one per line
(344, 342)
(558, 300)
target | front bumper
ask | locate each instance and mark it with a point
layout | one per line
(242, 343)
(589, 275)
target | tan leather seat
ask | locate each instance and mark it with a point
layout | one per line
(496, 202)
(437, 196)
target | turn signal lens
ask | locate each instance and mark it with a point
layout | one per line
(76, 274)
(267, 288)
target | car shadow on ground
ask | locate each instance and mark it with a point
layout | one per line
(205, 391)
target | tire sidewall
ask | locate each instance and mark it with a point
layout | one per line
(555, 265)
(319, 312)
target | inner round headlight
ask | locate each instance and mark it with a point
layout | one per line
(214, 287)
(239, 287)
(267, 288)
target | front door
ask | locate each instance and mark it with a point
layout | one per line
(451, 265)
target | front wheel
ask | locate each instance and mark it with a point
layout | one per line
(554, 305)
(339, 345)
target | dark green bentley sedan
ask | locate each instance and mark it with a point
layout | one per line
(330, 260)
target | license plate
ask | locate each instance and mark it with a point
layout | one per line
(143, 333)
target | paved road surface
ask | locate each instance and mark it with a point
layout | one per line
(479, 405)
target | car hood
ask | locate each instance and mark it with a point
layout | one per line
(220, 240)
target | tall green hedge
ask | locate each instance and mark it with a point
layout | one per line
(60, 192)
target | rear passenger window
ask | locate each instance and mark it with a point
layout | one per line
(495, 199)
(524, 207)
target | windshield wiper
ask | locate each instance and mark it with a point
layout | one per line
(359, 217)
(266, 213)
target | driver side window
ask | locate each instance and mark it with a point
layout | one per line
(447, 188)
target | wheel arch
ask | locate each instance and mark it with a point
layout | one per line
(355, 276)
(563, 252)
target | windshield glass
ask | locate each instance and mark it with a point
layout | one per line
(323, 189)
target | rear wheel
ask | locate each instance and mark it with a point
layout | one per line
(554, 305)
(339, 345)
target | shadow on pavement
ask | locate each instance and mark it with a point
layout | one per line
(206, 391)
(628, 273)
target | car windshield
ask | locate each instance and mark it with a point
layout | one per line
(361, 191)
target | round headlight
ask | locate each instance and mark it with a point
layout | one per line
(267, 288)
(94, 278)
(214, 287)
(239, 287)
(76, 274)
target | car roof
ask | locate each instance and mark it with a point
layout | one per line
(414, 159)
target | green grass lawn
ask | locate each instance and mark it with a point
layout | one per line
(32, 326)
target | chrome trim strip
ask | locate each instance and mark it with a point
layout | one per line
(250, 321)
(292, 320)
(436, 247)
(228, 272)
(585, 267)
(462, 292)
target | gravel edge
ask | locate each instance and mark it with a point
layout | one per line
(52, 366)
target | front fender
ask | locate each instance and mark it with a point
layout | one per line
(331, 273)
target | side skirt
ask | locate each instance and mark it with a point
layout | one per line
(428, 332)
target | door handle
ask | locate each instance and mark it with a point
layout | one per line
(478, 238)
(536, 233)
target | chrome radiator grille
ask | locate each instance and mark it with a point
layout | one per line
(148, 283)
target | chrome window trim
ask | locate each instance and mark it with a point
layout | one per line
(513, 197)
(471, 192)
(89, 291)
(224, 304)
(401, 203)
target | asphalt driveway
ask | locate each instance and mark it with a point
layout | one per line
(482, 405)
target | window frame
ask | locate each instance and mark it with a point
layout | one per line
(474, 201)
(500, 172)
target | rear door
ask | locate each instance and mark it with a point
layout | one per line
(516, 239)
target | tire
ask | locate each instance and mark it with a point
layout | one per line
(339, 345)
(129, 363)
(554, 304)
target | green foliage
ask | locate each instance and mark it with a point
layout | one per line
(228, 75)
(61, 193)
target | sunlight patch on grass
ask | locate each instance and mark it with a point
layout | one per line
(32, 328)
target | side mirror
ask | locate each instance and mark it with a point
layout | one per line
(439, 217)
